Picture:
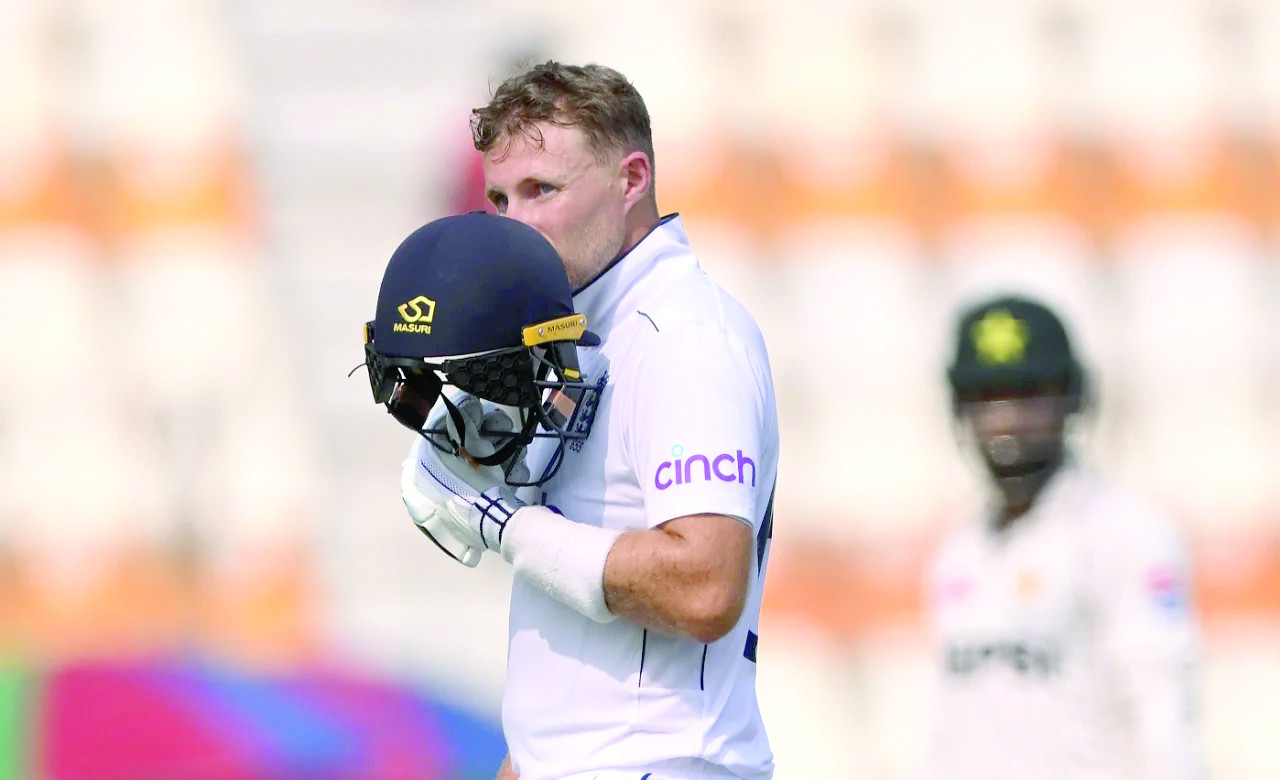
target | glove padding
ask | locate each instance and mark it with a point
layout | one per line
(461, 505)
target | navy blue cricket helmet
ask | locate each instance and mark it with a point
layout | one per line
(482, 303)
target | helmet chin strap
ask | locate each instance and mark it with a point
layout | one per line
(458, 425)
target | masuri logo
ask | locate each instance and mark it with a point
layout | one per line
(416, 318)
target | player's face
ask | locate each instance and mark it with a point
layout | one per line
(550, 179)
(1017, 432)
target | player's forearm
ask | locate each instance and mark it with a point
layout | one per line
(661, 580)
(689, 576)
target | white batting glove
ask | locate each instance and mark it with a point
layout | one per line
(461, 505)
(467, 509)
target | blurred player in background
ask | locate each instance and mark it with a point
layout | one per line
(1065, 635)
(639, 564)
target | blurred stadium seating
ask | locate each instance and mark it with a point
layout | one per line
(199, 196)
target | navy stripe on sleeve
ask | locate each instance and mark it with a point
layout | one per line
(644, 643)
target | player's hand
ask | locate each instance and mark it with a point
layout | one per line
(463, 520)
(461, 505)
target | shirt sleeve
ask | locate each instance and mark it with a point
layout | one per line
(1151, 636)
(696, 425)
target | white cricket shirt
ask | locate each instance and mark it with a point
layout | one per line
(686, 424)
(1066, 643)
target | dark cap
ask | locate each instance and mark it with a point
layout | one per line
(467, 284)
(1012, 343)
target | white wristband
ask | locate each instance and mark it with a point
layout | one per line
(562, 558)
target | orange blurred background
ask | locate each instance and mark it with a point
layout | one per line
(198, 198)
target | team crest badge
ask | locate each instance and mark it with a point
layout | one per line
(999, 338)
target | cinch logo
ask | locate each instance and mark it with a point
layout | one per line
(726, 467)
(415, 319)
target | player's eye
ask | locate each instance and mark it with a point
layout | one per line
(537, 189)
(499, 202)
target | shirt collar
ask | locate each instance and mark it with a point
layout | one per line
(602, 298)
(1054, 499)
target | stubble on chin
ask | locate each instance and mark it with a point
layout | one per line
(584, 268)
(579, 274)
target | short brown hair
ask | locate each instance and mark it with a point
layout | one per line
(597, 100)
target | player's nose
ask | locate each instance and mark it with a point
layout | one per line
(519, 210)
(527, 216)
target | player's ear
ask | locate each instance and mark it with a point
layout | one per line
(636, 172)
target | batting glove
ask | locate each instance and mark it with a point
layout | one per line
(461, 505)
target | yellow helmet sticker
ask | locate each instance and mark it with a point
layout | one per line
(417, 315)
(999, 338)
